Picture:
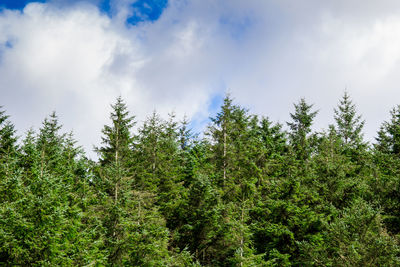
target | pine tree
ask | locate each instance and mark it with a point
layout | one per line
(247, 194)
(387, 170)
(300, 128)
(8, 146)
(114, 178)
(272, 149)
(135, 233)
(12, 191)
(185, 135)
(388, 140)
(7, 135)
(335, 176)
(171, 192)
(117, 138)
(46, 205)
(50, 145)
(234, 150)
(148, 153)
(355, 236)
(46, 223)
(159, 167)
(349, 124)
(222, 131)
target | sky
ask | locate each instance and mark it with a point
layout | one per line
(183, 56)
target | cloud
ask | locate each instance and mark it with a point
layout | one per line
(57, 63)
(76, 60)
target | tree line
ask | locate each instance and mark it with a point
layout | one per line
(245, 193)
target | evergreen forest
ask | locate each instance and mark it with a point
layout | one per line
(246, 192)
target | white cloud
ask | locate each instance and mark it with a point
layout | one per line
(76, 60)
(57, 62)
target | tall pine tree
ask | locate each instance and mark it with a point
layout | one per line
(388, 140)
(300, 128)
(349, 125)
(135, 232)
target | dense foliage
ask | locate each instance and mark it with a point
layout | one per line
(247, 193)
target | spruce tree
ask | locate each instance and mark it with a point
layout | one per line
(222, 130)
(355, 236)
(388, 140)
(273, 148)
(234, 151)
(135, 233)
(117, 138)
(171, 192)
(159, 159)
(334, 174)
(300, 128)
(50, 143)
(46, 220)
(387, 170)
(247, 194)
(7, 135)
(114, 180)
(8, 152)
(349, 125)
(148, 153)
(12, 191)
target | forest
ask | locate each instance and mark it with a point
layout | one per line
(246, 192)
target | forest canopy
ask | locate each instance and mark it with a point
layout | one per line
(246, 192)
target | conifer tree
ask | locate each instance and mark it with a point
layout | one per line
(200, 210)
(50, 144)
(159, 159)
(171, 190)
(185, 135)
(148, 153)
(12, 191)
(8, 152)
(246, 194)
(47, 194)
(117, 138)
(114, 180)
(222, 131)
(355, 236)
(348, 124)
(284, 212)
(135, 233)
(389, 134)
(46, 223)
(335, 176)
(387, 172)
(7, 135)
(234, 152)
(273, 148)
(300, 128)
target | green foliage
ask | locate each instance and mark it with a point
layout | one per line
(247, 193)
(355, 237)
(389, 134)
(134, 230)
(43, 226)
(300, 128)
(286, 214)
(7, 136)
(349, 124)
(336, 177)
(117, 137)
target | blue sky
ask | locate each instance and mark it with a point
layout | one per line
(143, 10)
(147, 10)
(15, 4)
(76, 57)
